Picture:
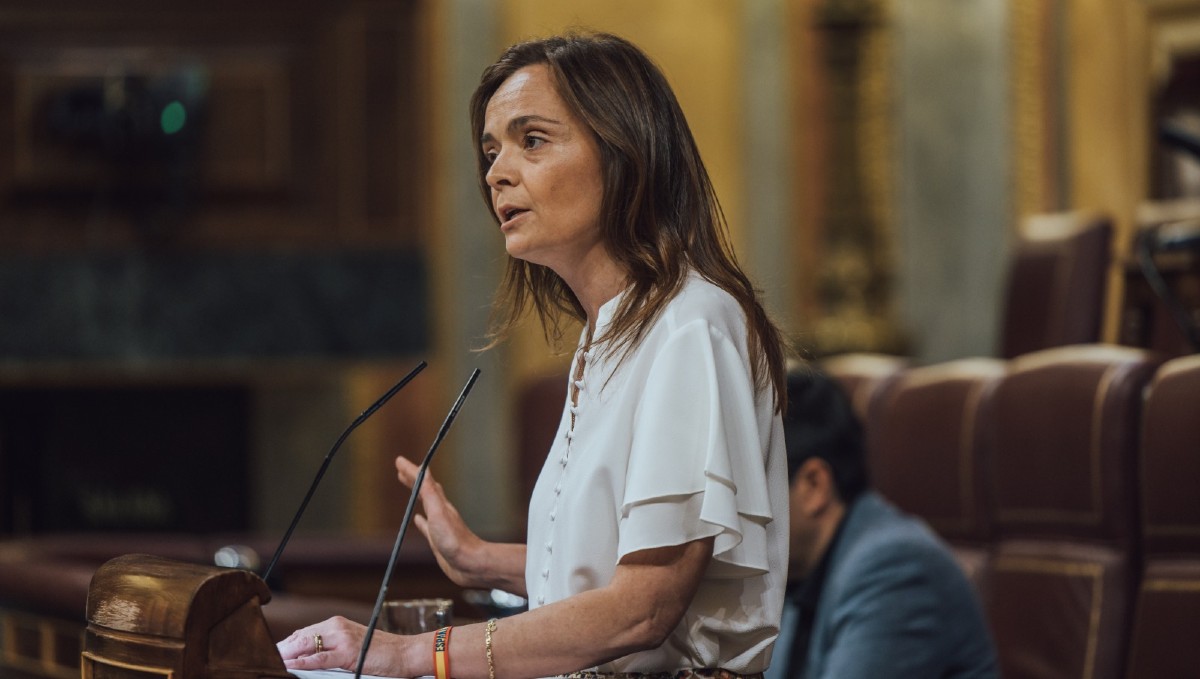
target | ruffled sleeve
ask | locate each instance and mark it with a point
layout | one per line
(697, 465)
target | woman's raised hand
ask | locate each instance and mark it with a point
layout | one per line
(454, 544)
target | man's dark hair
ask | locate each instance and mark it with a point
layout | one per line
(820, 422)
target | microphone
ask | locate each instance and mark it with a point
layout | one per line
(408, 513)
(329, 458)
(1177, 137)
(1145, 247)
(1182, 235)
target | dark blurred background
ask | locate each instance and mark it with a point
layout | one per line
(226, 227)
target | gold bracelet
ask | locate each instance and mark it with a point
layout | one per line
(487, 642)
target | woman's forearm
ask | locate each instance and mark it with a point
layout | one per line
(636, 612)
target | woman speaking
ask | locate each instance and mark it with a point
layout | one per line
(657, 535)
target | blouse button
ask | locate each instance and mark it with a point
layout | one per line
(570, 434)
(552, 515)
(549, 547)
(579, 385)
(541, 600)
(563, 460)
(558, 490)
(546, 572)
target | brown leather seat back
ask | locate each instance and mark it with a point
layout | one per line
(1063, 435)
(929, 455)
(1171, 461)
(1056, 282)
(862, 376)
(1168, 606)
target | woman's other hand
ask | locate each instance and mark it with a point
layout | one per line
(453, 543)
(463, 556)
(339, 646)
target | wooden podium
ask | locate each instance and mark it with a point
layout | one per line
(153, 618)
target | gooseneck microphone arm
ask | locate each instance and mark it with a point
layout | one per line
(329, 458)
(408, 513)
(1178, 137)
(1145, 250)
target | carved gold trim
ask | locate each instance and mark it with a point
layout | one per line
(1027, 107)
(855, 275)
(875, 138)
(1035, 187)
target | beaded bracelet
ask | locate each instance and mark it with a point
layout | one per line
(441, 653)
(487, 642)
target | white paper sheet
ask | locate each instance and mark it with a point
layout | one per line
(328, 674)
(333, 674)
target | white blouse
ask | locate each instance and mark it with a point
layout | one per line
(673, 445)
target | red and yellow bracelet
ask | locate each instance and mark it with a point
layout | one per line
(441, 653)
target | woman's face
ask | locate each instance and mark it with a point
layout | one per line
(545, 174)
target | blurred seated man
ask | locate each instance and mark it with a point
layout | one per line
(872, 592)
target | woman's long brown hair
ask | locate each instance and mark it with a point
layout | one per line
(659, 216)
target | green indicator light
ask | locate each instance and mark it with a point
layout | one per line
(173, 117)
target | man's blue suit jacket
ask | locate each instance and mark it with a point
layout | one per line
(895, 603)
